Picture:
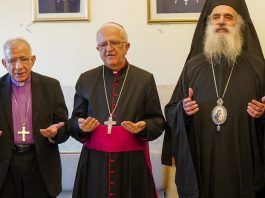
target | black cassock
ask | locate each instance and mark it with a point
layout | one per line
(130, 175)
(209, 163)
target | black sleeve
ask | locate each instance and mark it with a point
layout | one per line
(60, 113)
(155, 122)
(80, 111)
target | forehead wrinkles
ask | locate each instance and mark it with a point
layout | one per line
(110, 32)
(18, 48)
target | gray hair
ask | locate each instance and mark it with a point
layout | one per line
(13, 43)
(114, 24)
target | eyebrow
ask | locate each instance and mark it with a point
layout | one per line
(224, 14)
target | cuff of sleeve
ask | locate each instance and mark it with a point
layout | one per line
(143, 134)
(51, 140)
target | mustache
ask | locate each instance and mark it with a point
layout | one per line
(225, 28)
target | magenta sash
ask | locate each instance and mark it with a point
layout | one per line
(120, 140)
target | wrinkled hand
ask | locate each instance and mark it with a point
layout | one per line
(134, 127)
(190, 106)
(52, 130)
(88, 124)
(255, 108)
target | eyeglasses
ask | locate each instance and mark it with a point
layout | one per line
(14, 61)
(113, 44)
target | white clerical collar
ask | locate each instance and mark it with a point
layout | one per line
(20, 84)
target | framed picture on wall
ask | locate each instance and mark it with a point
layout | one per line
(174, 11)
(61, 10)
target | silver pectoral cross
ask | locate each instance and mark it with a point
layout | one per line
(110, 122)
(23, 133)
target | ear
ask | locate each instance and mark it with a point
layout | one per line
(33, 59)
(127, 46)
(4, 63)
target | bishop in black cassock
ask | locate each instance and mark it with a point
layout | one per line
(114, 161)
(219, 159)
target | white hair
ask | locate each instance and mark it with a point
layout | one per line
(114, 24)
(13, 43)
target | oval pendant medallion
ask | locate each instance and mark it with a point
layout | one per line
(219, 115)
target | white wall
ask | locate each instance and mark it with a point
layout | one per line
(65, 49)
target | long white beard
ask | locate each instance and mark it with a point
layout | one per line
(227, 45)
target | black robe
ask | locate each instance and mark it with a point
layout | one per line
(212, 164)
(139, 101)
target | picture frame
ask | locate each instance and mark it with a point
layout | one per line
(61, 10)
(174, 11)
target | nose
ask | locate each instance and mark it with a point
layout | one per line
(109, 46)
(221, 21)
(17, 64)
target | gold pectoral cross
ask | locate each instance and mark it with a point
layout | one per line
(23, 133)
(110, 122)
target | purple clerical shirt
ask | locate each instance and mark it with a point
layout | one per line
(22, 93)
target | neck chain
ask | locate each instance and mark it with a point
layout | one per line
(23, 132)
(219, 113)
(110, 122)
(19, 115)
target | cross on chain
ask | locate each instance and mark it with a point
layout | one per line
(110, 123)
(23, 133)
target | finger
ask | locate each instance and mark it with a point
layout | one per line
(186, 100)
(94, 124)
(80, 120)
(191, 108)
(83, 123)
(253, 113)
(189, 104)
(1, 132)
(131, 125)
(44, 132)
(123, 124)
(190, 92)
(255, 107)
(126, 125)
(89, 124)
(87, 120)
(141, 124)
(263, 99)
(257, 103)
(193, 111)
(59, 125)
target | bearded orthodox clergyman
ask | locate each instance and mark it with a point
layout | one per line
(215, 118)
